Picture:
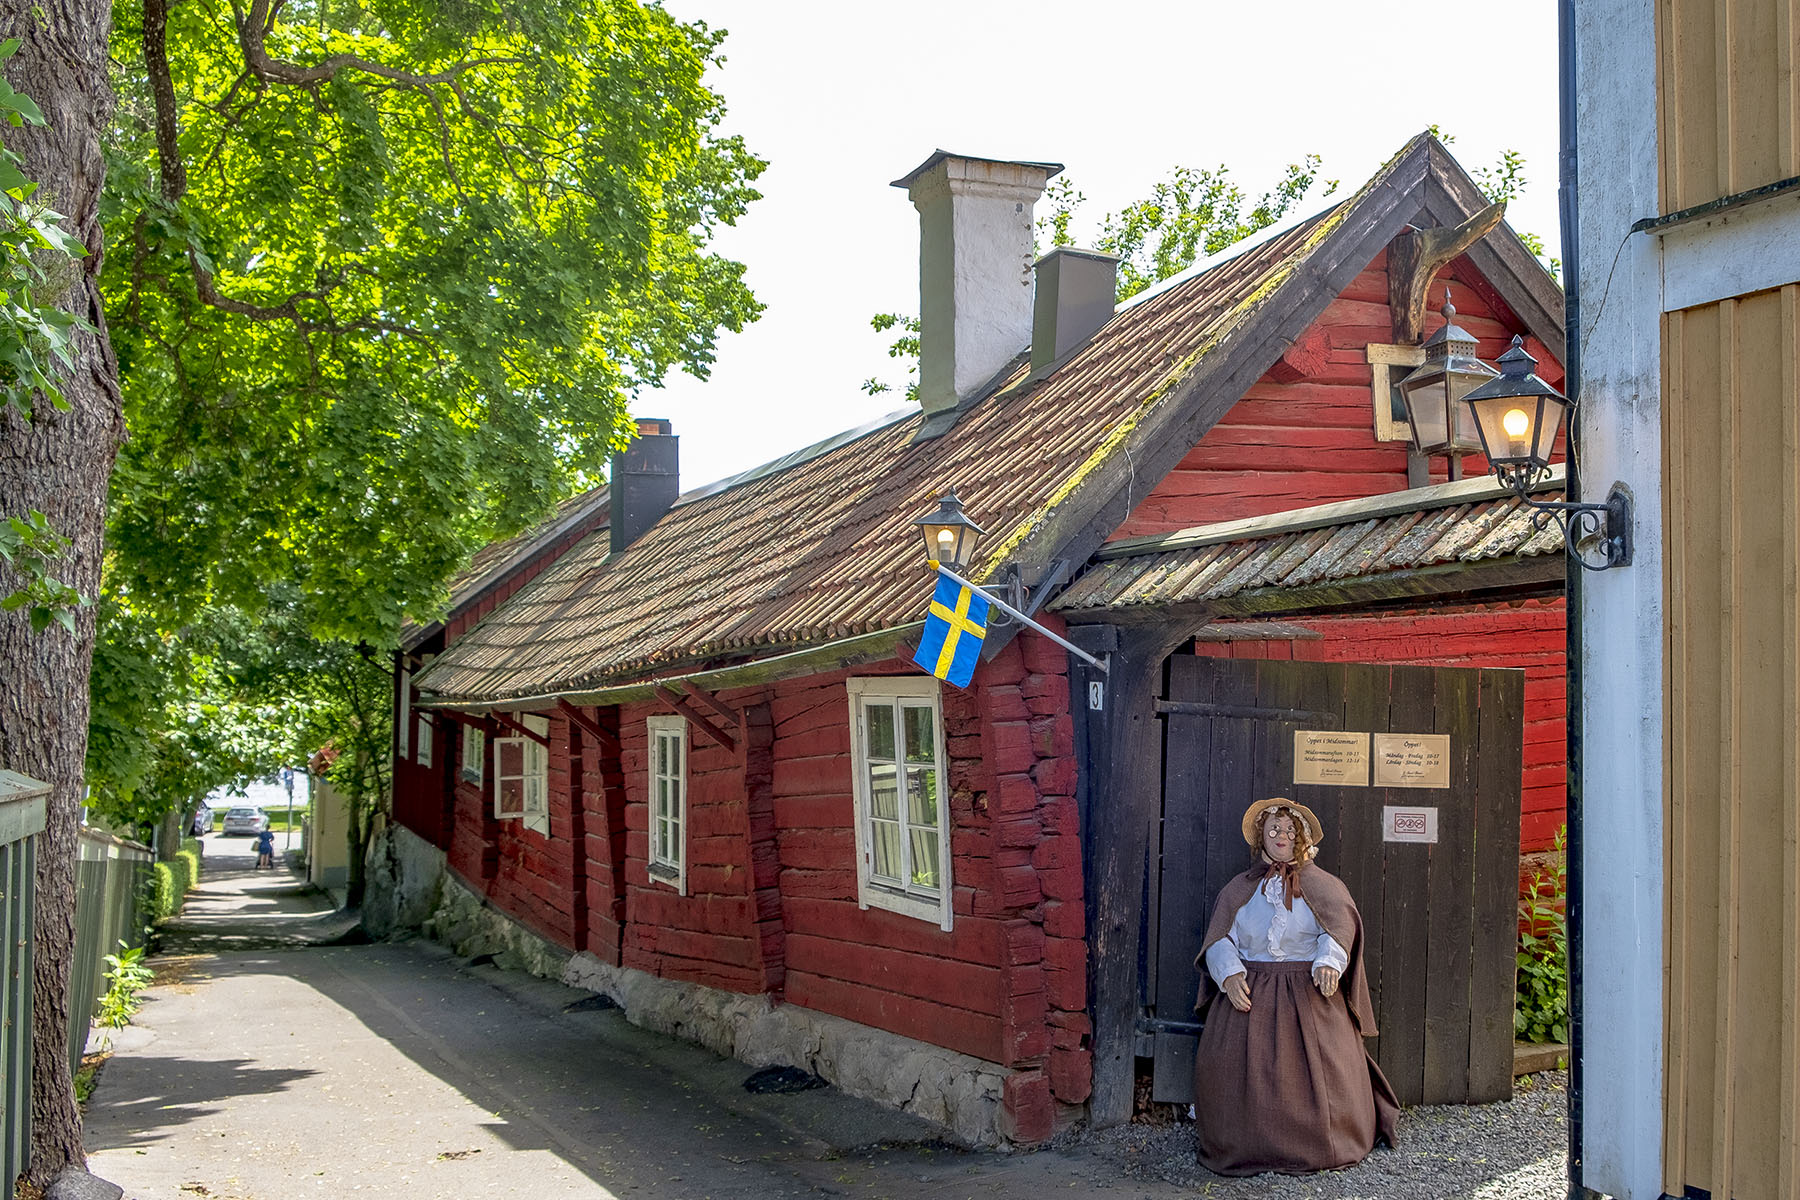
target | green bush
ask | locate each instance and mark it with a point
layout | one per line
(1542, 1007)
(161, 897)
(171, 881)
(192, 859)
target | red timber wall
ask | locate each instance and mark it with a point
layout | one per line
(1008, 983)
(1304, 433)
(1528, 635)
(422, 794)
(771, 903)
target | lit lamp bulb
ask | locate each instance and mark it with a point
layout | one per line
(1516, 424)
(946, 541)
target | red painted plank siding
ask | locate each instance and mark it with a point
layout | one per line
(1528, 636)
(1304, 433)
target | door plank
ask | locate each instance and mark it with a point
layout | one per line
(1405, 919)
(1452, 891)
(1357, 859)
(1496, 933)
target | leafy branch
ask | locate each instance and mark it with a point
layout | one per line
(37, 345)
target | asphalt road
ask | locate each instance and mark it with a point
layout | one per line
(270, 1070)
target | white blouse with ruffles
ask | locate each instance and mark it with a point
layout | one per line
(1266, 930)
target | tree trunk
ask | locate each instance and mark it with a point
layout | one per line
(58, 463)
(355, 824)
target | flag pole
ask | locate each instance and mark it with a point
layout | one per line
(1020, 617)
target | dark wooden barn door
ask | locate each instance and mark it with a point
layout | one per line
(1439, 918)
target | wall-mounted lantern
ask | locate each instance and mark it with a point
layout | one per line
(1516, 415)
(950, 536)
(1434, 391)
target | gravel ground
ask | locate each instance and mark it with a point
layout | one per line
(1515, 1150)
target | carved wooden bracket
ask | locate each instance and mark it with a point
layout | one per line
(607, 742)
(698, 716)
(520, 728)
(1419, 254)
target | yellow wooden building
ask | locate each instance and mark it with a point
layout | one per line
(1686, 132)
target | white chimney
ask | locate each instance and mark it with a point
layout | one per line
(975, 252)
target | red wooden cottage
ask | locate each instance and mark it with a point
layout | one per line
(693, 767)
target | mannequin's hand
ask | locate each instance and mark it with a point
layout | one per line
(1237, 990)
(1326, 980)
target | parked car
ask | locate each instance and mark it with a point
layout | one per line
(245, 821)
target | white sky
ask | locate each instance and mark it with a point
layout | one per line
(842, 97)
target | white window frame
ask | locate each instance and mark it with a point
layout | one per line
(474, 753)
(667, 869)
(534, 777)
(1388, 365)
(905, 898)
(423, 743)
(403, 719)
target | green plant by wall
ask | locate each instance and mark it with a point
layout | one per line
(170, 882)
(126, 976)
(1542, 1012)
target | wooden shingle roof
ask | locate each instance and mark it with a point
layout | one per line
(823, 549)
(1294, 560)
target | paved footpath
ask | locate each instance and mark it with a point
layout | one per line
(263, 1068)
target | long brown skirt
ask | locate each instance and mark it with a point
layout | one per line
(1286, 1086)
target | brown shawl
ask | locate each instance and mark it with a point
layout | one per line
(1330, 901)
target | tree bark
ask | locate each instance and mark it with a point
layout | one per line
(58, 463)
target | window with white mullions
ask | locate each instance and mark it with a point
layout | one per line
(521, 776)
(668, 801)
(902, 828)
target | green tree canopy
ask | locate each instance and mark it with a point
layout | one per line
(384, 275)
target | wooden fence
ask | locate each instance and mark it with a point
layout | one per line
(109, 909)
(22, 808)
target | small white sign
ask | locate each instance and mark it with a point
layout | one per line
(1097, 695)
(1409, 824)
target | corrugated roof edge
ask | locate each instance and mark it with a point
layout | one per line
(1343, 512)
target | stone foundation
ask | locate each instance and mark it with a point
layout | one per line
(960, 1093)
(964, 1095)
(403, 880)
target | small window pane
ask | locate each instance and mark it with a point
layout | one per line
(884, 792)
(887, 851)
(924, 858)
(921, 741)
(881, 730)
(511, 794)
(511, 754)
(921, 796)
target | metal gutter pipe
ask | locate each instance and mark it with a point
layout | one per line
(1568, 210)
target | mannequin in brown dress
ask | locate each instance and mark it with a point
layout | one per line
(1281, 1079)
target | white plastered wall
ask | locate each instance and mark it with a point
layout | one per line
(1622, 619)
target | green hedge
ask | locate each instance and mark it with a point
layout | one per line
(170, 881)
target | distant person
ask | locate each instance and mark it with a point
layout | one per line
(265, 849)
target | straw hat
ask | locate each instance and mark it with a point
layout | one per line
(1314, 830)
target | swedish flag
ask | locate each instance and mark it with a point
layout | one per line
(954, 629)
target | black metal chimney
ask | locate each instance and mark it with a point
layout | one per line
(645, 481)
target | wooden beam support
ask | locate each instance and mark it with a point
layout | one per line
(1416, 256)
(607, 742)
(519, 728)
(730, 714)
(694, 714)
